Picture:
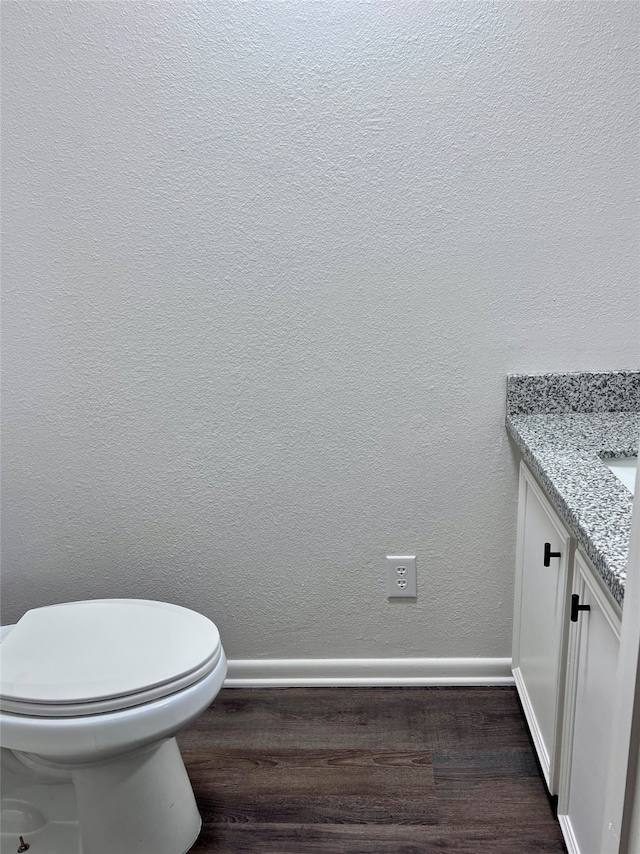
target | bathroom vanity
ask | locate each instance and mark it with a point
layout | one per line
(574, 519)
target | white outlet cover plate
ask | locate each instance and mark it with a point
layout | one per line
(401, 577)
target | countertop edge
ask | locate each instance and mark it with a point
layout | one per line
(610, 567)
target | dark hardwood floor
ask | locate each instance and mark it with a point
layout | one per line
(368, 771)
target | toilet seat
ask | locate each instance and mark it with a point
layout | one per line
(84, 658)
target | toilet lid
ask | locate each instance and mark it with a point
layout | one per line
(79, 653)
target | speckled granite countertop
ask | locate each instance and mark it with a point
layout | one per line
(564, 425)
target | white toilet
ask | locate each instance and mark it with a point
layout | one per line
(91, 697)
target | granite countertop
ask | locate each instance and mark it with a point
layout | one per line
(564, 425)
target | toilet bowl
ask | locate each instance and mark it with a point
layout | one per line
(92, 695)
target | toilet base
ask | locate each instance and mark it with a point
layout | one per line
(141, 803)
(43, 812)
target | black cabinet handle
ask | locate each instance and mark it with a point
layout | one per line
(548, 554)
(575, 607)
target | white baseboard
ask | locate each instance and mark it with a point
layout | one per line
(569, 836)
(367, 672)
(536, 735)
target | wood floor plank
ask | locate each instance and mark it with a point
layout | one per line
(487, 717)
(389, 839)
(313, 782)
(500, 802)
(453, 768)
(235, 760)
(323, 808)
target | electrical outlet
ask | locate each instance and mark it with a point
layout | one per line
(401, 576)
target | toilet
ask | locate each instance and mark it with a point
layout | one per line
(92, 695)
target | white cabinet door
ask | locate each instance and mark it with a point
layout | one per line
(539, 641)
(589, 713)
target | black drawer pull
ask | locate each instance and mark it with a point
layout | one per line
(575, 607)
(548, 554)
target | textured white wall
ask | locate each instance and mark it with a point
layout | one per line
(265, 268)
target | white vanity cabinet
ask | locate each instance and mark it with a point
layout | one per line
(594, 641)
(543, 560)
(565, 657)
